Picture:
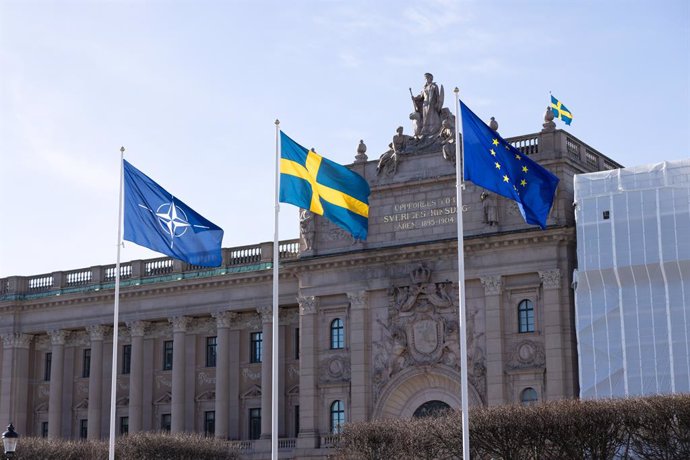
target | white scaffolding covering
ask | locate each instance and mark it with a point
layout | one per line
(632, 295)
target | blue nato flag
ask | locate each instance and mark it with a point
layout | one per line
(156, 219)
(323, 187)
(494, 164)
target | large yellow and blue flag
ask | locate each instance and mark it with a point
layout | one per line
(324, 187)
(561, 111)
(494, 164)
(156, 219)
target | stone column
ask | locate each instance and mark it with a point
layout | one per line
(14, 387)
(308, 437)
(96, 333)
(266, 371)
(57, 338)
(223, 322)
(360, 351)
(136, 375)
(177, 404)
(555, 329)
(495, 374)
(234, 384)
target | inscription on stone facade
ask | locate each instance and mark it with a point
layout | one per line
(422, 213)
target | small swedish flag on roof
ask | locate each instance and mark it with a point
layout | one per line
(561, 111)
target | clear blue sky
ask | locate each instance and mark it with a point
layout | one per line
(192, 89)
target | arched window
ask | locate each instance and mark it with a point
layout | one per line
(337, 416)
(529, 396)
(431, 409)
(337, 334)
(525, 316)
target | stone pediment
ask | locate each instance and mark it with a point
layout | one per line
(293, 391)
(165, 399)
(206, 396)
(253, 392)
(83, 404)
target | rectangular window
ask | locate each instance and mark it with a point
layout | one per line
(124, 425)
(210, 423)
(83, 428)
(86, 363)
(167, 355)
(46, 367)
(126, 359)
(165, 422)
(296, 421)
(296, 343)
(211, 347)
(254, 423)
(257, 347)
(44, 429)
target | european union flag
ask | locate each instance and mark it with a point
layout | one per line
(313, 182)
(157, 220)
(561, 111)
(494, 164)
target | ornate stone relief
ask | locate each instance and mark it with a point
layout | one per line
(97, 331)
(334, 368)
(203, 326)
(307, 305)
(293, 372)
(137, 328)
(180, 323)
(492, 284)
(225, 319)
(290, 316)
(266, 314)
(206, 378)
(551, 278)
(58, 337)
(422, 330)
(16, 340)
(248, 374)
(163, 382)
(527, 354)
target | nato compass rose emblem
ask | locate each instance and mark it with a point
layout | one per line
(172, 220)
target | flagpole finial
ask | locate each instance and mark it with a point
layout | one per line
(122, 150)
(456, 90)
(277, 121)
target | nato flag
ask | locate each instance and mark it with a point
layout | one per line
(157, 220)
(494, 164)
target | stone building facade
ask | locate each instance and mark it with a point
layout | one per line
(368, 329)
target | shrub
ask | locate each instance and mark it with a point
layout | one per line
(148, 445)
(655, 428)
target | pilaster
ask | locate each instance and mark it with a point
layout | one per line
(177, 405)
(359, 343)
(137, 330)
(495, 376)
(96, 334)
(554, 329)
(308, 392)
(14, 386)
(223, 321)
(57, 339)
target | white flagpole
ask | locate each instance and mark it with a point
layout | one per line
(461, 284)
(275, 341)
(116, 314)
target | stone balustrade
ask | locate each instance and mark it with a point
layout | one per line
(139, 271)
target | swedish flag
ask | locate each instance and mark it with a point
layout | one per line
(561, 111)
(313, 182)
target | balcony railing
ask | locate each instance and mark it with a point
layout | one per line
(245, 258)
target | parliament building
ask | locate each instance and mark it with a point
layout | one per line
(368, 329)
